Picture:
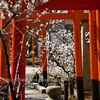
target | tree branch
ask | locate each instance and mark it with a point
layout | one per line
(58, 64)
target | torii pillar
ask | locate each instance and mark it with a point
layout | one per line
(3, 65)
(78, 56)
(19, 51)
(98, 45)
(93, 55)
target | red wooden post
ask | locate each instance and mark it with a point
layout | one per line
(93, 55)
(98, 45)
(22, 64)
(78, 56)
(19, 52)
(3, 66)
(1, 51)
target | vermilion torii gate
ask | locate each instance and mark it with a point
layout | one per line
(76, 16)
(94, 28)
(79, 71)
(94, 20)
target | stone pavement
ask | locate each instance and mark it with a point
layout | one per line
(32, 94)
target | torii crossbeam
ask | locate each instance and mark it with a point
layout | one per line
(71, 4)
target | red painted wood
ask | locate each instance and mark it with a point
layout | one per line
(3, 66)
(58, 16)
(98, 40)
(18, 40)
(93, 45)
(70, 5)
(77, 44)
(16, 49)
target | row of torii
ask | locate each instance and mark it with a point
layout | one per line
(76, 15)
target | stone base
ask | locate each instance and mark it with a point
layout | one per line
(54, 92)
